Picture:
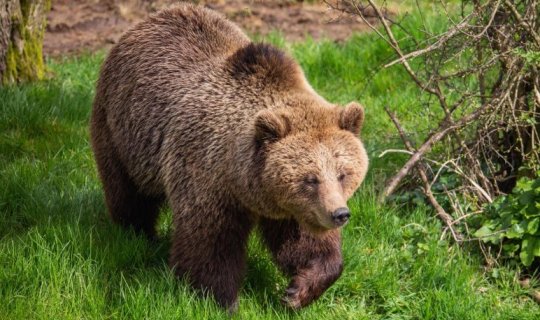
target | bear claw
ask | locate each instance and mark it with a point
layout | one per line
(293, 298)
(291, 291)
(233, 308)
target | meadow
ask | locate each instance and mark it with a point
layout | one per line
(62, 258)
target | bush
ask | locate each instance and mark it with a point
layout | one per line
(513, 221)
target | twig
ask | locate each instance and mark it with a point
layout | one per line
(435, 89)
(439, 43)
(457, 170)
(395, 151)
(489, 95)
(443, 129)
(441, 213)
(536, 94)
(442, 166)
(395, 46)
(522, 22)
(465, 216)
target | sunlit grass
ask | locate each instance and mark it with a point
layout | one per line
(62, 258)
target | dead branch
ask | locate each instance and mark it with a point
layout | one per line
(482, 109)
(444, 128)
(441, 213)
(439, 43)
(433, 89)
(395, 46)
(522, 22)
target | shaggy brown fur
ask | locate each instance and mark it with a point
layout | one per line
(229, 132)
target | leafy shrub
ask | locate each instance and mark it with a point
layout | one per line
(513, 222)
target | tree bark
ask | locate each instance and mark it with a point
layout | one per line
(22, 25)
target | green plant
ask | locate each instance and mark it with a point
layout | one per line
(513, 221)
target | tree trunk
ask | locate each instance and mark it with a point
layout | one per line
(22, 25)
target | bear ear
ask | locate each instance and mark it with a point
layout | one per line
(270, 127)
(352, 118)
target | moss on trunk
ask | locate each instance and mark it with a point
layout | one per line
(23, 58)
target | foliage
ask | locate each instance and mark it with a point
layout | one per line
(478, 69)
(513, 222)
(530, 57)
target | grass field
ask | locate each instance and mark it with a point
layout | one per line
(61, 258)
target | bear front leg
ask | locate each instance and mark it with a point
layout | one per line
(313, 261)
(209, 248)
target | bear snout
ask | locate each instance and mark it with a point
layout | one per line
(341, 216)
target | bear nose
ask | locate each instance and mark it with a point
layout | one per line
(341, 216)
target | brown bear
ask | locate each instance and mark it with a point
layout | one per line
(229, 133)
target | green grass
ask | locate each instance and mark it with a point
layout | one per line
(61, 257)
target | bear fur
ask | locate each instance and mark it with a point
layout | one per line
(229, 133)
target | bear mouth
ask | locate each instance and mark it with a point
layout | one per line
(316, 227)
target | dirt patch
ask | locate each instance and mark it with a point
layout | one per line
(87, 25)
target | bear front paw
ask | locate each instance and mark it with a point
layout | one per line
(310, 283)
(300, 293)
(293, 298)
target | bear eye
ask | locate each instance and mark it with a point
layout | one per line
(341, 177)
(311, 180)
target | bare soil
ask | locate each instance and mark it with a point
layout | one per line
(75, 26)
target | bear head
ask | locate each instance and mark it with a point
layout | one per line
(314, 161)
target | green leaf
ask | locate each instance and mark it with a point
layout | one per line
(534, 246)
(483, 232)
(510, 248)
(525, 255)
(423, 246)
(530, 247)
(536, 183)
(526, 198)
(523, 184)
(533, 210)
(516, 231)
(532, 226)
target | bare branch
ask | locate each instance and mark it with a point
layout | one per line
(440, 42)
(482, 109)
(522, 22)
(444, 128)
(441, 213)
(396, 47)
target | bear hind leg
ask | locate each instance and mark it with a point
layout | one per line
(127, 206)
